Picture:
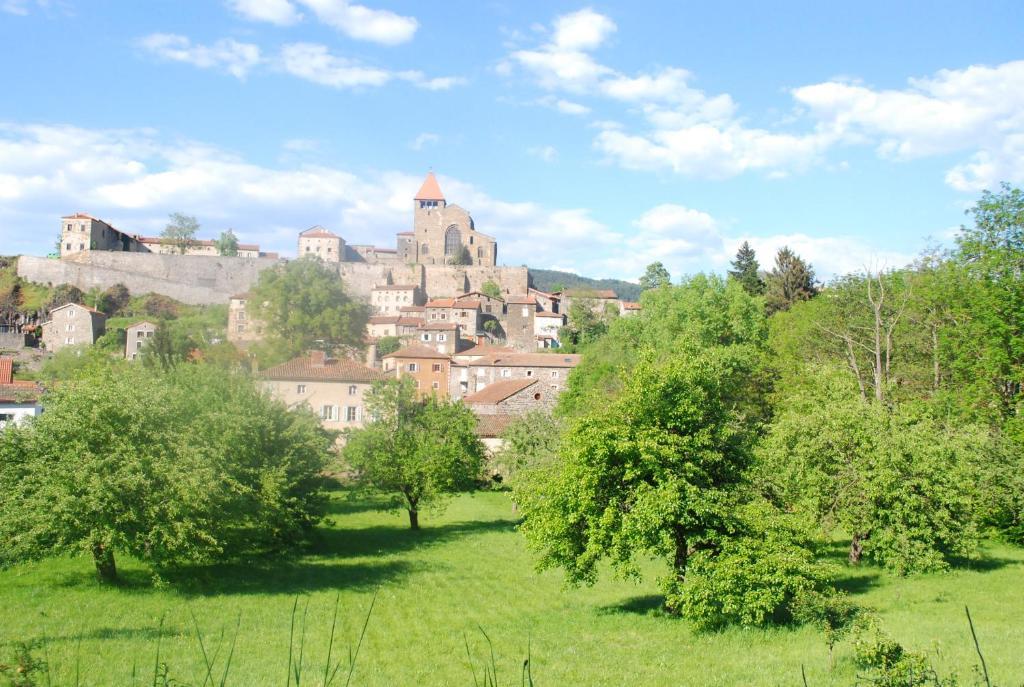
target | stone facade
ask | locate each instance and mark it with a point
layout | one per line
(73, 325)
(317, 242)
(333, 388)
(512, 397)
(81, 233)
(243, 329)
(519, 322)
(549, 369)
(443, 337)
(389, 299)
(136, 337)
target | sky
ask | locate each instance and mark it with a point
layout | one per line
(595, 138)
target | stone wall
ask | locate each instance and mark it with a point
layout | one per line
(192, 279)
(451, 280)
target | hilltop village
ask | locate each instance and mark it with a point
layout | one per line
(442, 312)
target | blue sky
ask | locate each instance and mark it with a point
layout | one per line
(590, 137)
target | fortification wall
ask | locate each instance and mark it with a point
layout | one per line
(449, 280)
(361, 277)
(192, 279)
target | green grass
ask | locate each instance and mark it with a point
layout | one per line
(468, 569)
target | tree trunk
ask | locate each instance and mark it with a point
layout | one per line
(106, 568)
(414, 519)
(936, 377)
(856, 549)
(682, 553)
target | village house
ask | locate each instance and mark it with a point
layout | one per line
(428, 368)
(380, 326)
(518, 323)
(333, 387)
(547, 302)
(389, 299)
(317, 242)
(18, 399)
(545, 328)
(512, 397)
(550, 369)
(243, 329)
(601, 300)
(630, 308)
(136, 337)
(440, 336)
(73, 324)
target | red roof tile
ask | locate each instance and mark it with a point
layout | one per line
(333, 370)
(417, 351)
(430, 190)
(530, 360)
(20, 392)
(468, 304)
(627, 305)
(499, 391)
(6, 370)
(492, 426)
(441, 303)
(384, 319)
(318, 232)
(522, 300)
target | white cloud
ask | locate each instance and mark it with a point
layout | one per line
(280, 12)
(22, 8)
(423, 140)
(226, 54)
(301, 145)
(545, 153)
(582, 30)
(364, 23)
(313, 62)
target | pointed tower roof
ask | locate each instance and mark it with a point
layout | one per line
(429, 190)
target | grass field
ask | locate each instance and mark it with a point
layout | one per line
(468, 569)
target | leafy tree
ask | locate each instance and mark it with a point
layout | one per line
(64, 294)
(530, 440)
(461, 257)
(169, 347)
(388, 344)
(584, 325)
(227, 243)
(491, 288)
(745, 270)
(304, 306)
(654, 276)
(420, 450)
(790, 281)
(193, 466)
(180, 232)
(900, 483)
(115, 300)
(833, 612)
(160, 306)
(655, 471)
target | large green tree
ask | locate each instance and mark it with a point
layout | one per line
(745, 270)
(790, 281)
(195, 465)
(304, 305)
(227, 244)
(420, 450)
(180, 232)
(654, 276)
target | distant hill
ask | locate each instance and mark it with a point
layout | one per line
(548, 280)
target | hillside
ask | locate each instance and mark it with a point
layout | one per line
(553, 280)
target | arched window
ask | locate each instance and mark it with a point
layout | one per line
(452, 240)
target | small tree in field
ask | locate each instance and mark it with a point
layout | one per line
(420, 450)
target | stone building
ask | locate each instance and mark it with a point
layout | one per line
(73, 324)
(207, 247)
(601, 301)
(546, 326)
(136, 337)
(512, 397)
(549, 369)
(243, 329)
(519, 323)
(428, 368)
(444, 337)
(442, 231)
(334, 388)
(389, 299)
(81, 232)
(317, 242)
(401, 326)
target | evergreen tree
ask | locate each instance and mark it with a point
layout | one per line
(790, 281)
(745, 270)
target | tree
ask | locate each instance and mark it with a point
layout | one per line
(529, 441)
(180, 232)
(227, 244)
(655, 275)
(790, 281)
(64, 294)
(903, 485)
(419, 450)
(388, 344)
(491, 288)
(584, 325)
(169, 347)
(304, 306)
(461, 257)
(115, 299)
(745, 270)
(192, 466)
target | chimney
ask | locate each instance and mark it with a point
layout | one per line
(317, 358)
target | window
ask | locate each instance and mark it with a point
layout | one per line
(412, 367)
(352, 390)
(241, 315)
(442, 338)
(351, 413)
(329, 413)
(436, 367)
(471, 240)
(240, 328)
(424, 337)
(505, 372)
(452, 240)
(529, 373)
(435, 385)
(480, 251)
(425, 249)
(300, 388)
(536, 396)
(67, 246)
(526, 312)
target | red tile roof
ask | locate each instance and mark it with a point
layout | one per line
(522, 300)
(441, 303)
(416, 351)
(628, 305)
(333, 370)
(468, 304)
(139, 324)
(430, 190)
(86, 307)
(499, 391)
(80, 215)
(481, 350)
(481, 294)
(318, 232)
(6, 370)
(384, 319)
(411, 321)
(20, 392)
(530, 360)
(492, 426)
(412, 308)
